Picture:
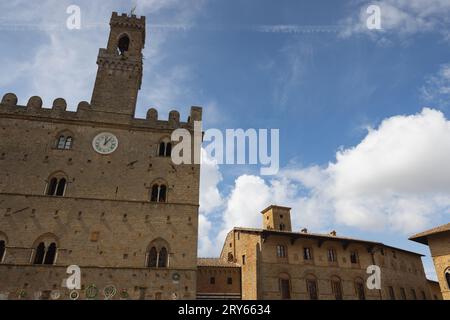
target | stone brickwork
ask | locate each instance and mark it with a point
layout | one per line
(105, 222)
(438, 240)
(217, 279)
(264, 265)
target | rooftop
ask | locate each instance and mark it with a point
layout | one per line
(215, 262)
(423, 236)
(321, 237)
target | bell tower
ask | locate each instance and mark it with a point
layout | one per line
(277, 218)
(120, 66)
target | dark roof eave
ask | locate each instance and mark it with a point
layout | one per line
(297, 235)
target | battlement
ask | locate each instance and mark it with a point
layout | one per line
(128, 20)
(34, 108)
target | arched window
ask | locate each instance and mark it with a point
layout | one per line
(163, 258)
(359, 288)
(336, 288)
(57, 186)
(65, 142)
(152, 259)
(447, 277)
(50, 254)
(124, 44)
(158, 254)
(230, 257)
(45, 251)
(285, 286)
(311, 287)
(159, 193)
(68, 144)
(61, 187)
(51, 189)
(165, 149)
(40, 254)
(2, 250)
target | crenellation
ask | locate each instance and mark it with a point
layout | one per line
(85, 111)
(97, 187)
(174, 119)
(196, 114)
(9, 99)
(34, 103)
(59, 104)
(152, 115)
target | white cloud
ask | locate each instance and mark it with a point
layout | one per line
(210, 177)
(396, 180)
(396, 177)
(63, 63)
(206, 247)
(401, 18)
(437, 87)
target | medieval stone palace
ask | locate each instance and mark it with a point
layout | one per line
(97, 188)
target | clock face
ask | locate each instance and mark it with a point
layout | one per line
(105, 143)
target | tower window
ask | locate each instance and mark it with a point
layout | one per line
(152, 258)
(124, 44)
(57, 187)
(158, 255)
(2, 250)
(159, 193)
(45, 255)
(64, 143)
(165, 149)
(162, 259)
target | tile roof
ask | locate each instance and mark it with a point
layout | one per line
(215, 262)
(320, 236)
(423, 236)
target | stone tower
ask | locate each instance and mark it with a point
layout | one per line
(120, 66)
(277, 218)
(97, 188)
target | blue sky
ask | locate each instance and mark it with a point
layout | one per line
(309, 68)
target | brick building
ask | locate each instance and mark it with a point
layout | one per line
(97, 188)
(277, 263)
(438, 239)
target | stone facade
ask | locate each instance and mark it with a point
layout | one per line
(218, 280)
(97, 210)
(438, 239)
(277, 263)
